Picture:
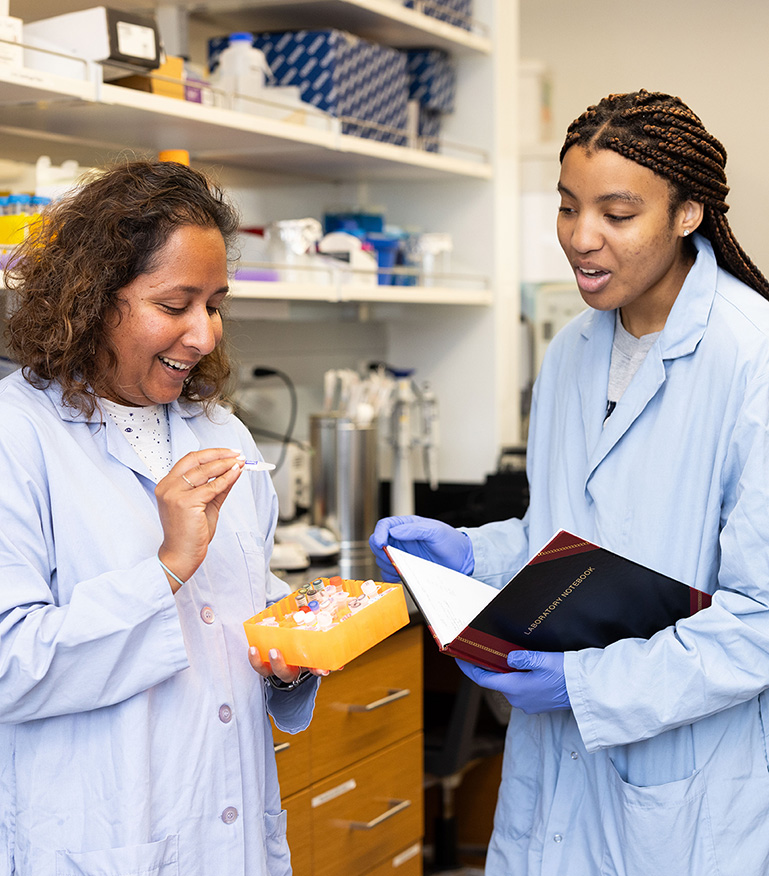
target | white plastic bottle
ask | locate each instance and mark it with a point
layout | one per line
(241, 74)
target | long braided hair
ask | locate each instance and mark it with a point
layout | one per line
(660, 132)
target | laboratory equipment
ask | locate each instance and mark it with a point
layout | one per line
(327, 638)
(291, 246)
(318, 542)
(387, 399)
(242, 72)
(62, 43)
(413, 424)
(345, 485)
(353, 252)
(288, 557)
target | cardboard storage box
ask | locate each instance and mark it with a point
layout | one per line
(362, 83)
(14, 228)
(456, 12)
(432, 79)
(167, 80)
(335, 647)
(97, 34)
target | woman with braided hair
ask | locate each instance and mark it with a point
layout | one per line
(649, 435)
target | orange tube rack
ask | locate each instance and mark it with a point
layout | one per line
(332, 648)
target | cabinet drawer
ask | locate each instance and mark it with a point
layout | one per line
(292, 755)
(360, 815)
(298, 832)
(407, 862)
(373, 702)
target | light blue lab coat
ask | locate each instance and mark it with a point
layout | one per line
(134, 736)
(661, 766)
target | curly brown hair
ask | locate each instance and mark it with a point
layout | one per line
(90, 244)
(661, 132)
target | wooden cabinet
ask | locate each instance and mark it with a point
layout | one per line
(352, 783)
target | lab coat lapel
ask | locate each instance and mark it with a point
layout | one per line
(183, 438)
(183, 441)
(593, 376)
(643, 387)
(683, 330)
(122, 451)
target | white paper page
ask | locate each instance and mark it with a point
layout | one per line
(449, 600)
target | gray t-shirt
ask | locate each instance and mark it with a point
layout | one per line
(627, 354)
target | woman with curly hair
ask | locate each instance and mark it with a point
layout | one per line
(649, 436)
(134, 733)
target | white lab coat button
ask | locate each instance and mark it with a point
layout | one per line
(229, 815)
(557, 838)
(225, 714)
(207, 614)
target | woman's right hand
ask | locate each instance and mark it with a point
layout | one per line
(189, 499)
(422, 537)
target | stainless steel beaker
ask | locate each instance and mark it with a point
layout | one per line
(345, 487)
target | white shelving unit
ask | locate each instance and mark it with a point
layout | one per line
(385, 21)
(460, 337)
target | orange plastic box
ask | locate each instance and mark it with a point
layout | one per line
(334, 647)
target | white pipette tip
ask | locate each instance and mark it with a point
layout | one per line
(253, 465)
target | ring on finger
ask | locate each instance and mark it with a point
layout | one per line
(185, 478)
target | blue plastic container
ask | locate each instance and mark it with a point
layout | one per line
(386, 246)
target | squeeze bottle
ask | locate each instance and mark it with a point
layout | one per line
(242, 73)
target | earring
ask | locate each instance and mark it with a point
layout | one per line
(686, 232)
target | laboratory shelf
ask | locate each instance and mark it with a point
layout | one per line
(21, 85)
(383, 21)
(345, 292)
(91, 119)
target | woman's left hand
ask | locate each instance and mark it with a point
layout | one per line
(277, 666)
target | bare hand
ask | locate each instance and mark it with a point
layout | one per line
(189, 499)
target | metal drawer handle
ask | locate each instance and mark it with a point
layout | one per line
(377, 704)
(281, 746)
(396, 806)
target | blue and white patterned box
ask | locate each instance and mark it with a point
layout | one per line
(432, 79)
(342, 74)
(456, 12)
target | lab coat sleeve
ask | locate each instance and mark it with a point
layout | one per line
(636, 689)
(291, 710)
(118, 636)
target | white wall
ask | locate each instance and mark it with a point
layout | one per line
(710, 53)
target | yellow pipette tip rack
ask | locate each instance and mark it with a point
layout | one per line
(344, 641)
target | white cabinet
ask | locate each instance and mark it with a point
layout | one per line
(461, 336)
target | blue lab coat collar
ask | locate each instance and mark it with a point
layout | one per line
(683, 330)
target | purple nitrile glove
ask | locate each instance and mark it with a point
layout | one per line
(541, 687)
(422, 537)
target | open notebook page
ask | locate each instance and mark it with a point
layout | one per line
(448, 600)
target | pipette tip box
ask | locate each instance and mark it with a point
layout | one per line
(334, 647)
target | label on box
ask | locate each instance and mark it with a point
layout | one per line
(136, 40)
(10, 41)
